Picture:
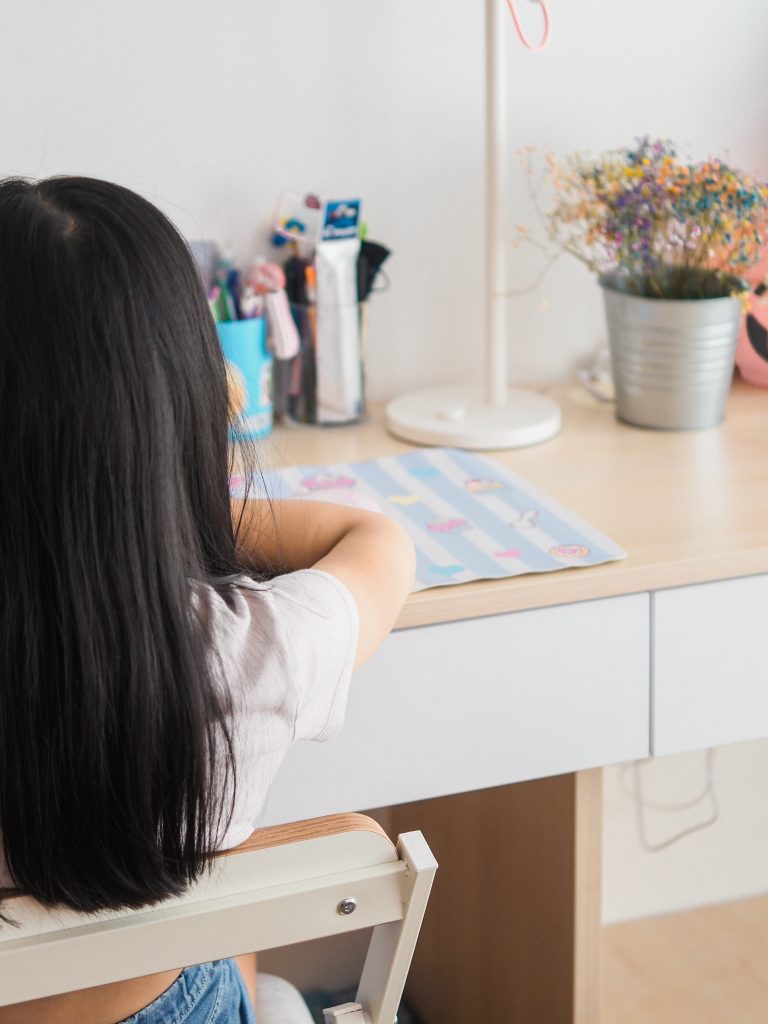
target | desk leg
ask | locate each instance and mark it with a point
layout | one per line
(513, 929)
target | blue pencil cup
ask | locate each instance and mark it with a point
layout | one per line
(249, 376)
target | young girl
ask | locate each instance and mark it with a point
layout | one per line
(159, 650)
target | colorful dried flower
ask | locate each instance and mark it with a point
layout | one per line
(654, 225)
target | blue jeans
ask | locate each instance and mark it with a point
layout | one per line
(207, 994)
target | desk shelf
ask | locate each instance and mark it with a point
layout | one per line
(710, 655)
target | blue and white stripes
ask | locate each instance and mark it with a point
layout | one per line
(469, 516)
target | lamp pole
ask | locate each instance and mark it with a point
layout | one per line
(492, 416)
(496, 165)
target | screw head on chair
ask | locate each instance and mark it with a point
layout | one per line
(347, 906)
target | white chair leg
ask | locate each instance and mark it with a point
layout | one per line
(392, 945)
(345, 1013)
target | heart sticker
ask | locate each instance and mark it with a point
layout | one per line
(447, 570)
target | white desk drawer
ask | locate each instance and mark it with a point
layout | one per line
(478, 703)
(710, 664)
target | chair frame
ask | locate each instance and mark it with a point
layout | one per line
(285, 884)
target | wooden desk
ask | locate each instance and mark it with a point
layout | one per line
(485, 718)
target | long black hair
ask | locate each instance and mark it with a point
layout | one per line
(114, 503)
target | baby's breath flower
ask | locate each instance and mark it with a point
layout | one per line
(657, 222)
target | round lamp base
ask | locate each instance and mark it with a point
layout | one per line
(461, 418)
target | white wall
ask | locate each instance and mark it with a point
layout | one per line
(212, 109)
(727, 860)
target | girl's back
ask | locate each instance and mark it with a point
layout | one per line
(151, 678)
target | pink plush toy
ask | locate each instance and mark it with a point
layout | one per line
(752, 349)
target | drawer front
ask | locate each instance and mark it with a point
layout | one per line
(710, 679)
(479, 703)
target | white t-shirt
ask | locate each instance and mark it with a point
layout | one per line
(286, 649)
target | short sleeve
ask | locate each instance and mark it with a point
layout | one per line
(317, 621)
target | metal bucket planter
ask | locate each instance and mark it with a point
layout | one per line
(672, 359)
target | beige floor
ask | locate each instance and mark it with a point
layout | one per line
(706, 966)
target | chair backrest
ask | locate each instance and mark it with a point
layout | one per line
(285, 884)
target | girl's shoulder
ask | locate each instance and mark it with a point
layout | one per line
(285, 643)
(306, 593)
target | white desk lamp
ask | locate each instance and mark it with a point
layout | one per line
(496, 416)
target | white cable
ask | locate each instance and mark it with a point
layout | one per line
(641, 805)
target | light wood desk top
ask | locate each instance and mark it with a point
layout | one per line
(688, 507)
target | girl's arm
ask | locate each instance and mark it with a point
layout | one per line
(370, 553)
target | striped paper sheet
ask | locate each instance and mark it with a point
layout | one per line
(469, 516)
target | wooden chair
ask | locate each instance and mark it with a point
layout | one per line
(285, 884)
